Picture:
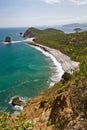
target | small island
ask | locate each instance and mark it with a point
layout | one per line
(8, 39)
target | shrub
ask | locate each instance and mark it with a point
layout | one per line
(66, 76)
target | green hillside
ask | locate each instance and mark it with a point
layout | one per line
(74, 45)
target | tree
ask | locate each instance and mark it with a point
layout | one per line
(66, 76)
(77, 30)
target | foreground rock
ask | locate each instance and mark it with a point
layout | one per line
(8, 39)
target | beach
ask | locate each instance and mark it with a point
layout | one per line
(67, 64)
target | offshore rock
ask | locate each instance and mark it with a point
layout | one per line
(17, 101)
(8, 39)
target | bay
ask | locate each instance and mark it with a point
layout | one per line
(24, 71)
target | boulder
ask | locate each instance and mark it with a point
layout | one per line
(17, 101)
(8, 39)
(21, 33)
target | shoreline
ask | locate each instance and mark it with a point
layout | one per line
(58, 71)
(67, 64)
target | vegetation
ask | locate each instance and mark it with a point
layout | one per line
(65, 104)
(77, 29)
(66, 76)
(18, 123)
(73, 45)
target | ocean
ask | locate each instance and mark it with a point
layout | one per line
(24, 70)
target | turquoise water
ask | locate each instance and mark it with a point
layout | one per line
(24, 71)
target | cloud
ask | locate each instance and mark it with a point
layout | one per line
(52, 1)
(79, 2)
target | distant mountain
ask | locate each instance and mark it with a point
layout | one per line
(76, 25)
(63, 27)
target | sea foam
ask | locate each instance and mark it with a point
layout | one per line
(16, 108)
(56, 76)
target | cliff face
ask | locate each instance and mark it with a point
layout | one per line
(62, 107)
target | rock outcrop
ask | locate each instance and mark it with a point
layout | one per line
(17, 101)
(8, 39)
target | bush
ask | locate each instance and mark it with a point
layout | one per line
(66, 76)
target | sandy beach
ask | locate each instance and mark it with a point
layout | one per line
(67, 64)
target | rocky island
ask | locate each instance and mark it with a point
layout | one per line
(63, 106)
(8, 39)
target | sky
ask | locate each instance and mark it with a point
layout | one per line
(26, 13)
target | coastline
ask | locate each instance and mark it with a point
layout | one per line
(67, 64)
(63, 104)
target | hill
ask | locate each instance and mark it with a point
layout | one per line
(76, 25)
(35, 32)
